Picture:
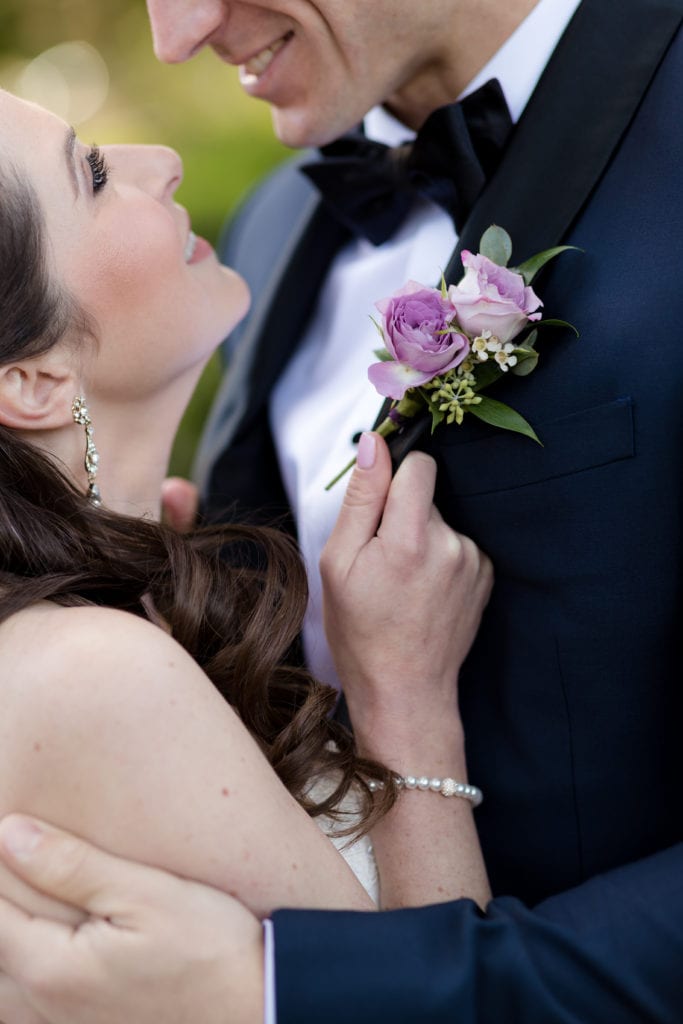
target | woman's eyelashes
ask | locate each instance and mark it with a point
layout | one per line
(98, 168)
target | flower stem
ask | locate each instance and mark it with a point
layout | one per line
(385, 429)
(404, 410)
(343, 472)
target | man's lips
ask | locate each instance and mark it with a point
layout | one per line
(254, 67)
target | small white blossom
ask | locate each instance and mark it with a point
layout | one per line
(483, 344)
(504, 358)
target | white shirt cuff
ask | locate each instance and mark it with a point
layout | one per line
(269, 1016)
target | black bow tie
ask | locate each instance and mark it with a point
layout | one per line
(370, 187)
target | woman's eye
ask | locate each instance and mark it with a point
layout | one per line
(98, 168)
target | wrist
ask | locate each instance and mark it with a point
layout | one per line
(409, 747)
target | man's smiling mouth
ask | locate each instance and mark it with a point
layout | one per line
(257, 64)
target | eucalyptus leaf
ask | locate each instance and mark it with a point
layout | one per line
(496, 245)
(499, 415)
(383, 355)
(531, 267)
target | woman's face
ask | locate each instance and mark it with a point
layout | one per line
(123, 249)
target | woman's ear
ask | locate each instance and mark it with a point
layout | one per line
(36, 393)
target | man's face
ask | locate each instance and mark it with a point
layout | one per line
(320, 64)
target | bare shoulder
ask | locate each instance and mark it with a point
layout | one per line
(89, 649)
(88, 686)
(49, 631)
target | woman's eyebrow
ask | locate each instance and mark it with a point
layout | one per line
(69, 144)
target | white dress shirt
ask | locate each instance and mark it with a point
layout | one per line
(324, 397)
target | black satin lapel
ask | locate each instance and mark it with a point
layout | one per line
(277, 320)
(583, 104)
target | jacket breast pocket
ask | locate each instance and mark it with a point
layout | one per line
(502, 461)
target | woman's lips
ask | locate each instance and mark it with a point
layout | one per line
(196, 248)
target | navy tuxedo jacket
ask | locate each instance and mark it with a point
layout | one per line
(571, 697)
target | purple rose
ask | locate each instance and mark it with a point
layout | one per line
(413, 320)
(492, 298)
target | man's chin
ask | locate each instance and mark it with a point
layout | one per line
(303, 130)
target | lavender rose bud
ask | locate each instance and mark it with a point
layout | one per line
(492, 298)
(413, 320)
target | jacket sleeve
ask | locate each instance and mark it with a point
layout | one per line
(607, 952)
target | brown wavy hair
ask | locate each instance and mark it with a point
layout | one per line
(233, 596)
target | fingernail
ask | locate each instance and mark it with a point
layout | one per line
(20, 837)
(367, 449)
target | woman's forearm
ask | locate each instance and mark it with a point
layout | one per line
(427, 848)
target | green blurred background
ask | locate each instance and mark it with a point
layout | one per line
(92, 63)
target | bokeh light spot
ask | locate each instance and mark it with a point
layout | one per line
(71, 80)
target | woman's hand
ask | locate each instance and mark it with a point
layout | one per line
(403, 593)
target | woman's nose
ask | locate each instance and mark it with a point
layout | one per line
(181, 28)
(157, 170)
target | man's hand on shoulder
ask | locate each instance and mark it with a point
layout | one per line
(153, 948)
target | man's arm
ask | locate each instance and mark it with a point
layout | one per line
(608, 952)
(158, 948)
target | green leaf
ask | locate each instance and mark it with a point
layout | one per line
(531, 267)
(378, 328)
(496, 245)
(486, 373)
(530, 341)
(383, 355)
(558, 323)
(437, 415)
(444, 287)
(498, 415)
(527, 359)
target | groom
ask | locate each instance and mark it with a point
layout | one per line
(571, 697)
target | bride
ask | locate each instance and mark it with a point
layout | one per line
(149, 702)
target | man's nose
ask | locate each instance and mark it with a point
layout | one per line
(181, 28)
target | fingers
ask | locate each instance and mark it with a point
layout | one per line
(179, 503)
(75, 872)
(364, 500)
(28, 945)
(15, 928)
(409, 506)
(13, 1007)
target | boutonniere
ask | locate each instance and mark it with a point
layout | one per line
(444, 346)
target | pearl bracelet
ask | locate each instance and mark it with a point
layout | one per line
(446, 787)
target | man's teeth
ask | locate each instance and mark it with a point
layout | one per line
(190, 246)
(258, 64)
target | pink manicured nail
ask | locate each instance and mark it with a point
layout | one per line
(367, 449)
(20, 837)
